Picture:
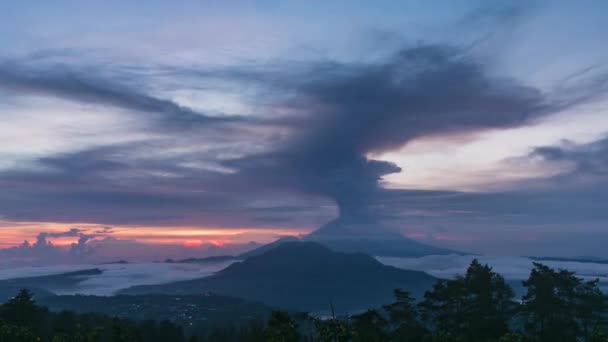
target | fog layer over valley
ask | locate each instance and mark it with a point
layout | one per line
(112, 277)
(115, 277)
(512, 268)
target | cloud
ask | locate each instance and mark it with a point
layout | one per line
(79, 249)
(328, 122)
(128, 184)
(73, 232)
(513, 268)
(347, 113)
(558, 215)
(589, 160)
(101, 246)
(90, 87)
(115, 277)
(44, 250)
(27, 253)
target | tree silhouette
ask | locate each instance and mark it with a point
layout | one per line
(490, 302)
(13, 333)
(558, 305)
(334, 330)
(21, 309)
(476, 307)
(550, 304)
(598, 336)
(590, 308)
(369, 326)
(281, 328)
(403, 323)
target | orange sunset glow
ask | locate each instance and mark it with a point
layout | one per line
(15, 233)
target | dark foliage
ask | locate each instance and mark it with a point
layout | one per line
(21, 320)
(560, 306)
(477, 306)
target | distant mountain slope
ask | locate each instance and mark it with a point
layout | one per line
(46, 285)
(217, 258)
(394, 247)
(304, 276)
(265, 248)
(370, 237)
(587, 260)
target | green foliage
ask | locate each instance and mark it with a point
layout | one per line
(512, 337)
(560, 306)
(591, 307)
(369, 326)
(403, 323)
(20, 310)
(598, 335)
(333, 330)
(444, 336)
(13, 333)
(444, 306)
(475, 307)
(281, 328)
(490, 303)
(21, 320)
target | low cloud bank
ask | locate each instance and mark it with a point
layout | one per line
(511, 267)
(95, 246)
(115, 277)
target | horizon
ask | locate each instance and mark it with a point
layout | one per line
(197, 129)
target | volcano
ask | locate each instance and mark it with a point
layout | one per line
(359, 236)
(370, 237)
(304, 276)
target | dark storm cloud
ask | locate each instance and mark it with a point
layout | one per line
(90, 87)
(338, 115)
(587, 159)
(548, 206)
(109, 186)
(73, 232)
(348, 112)
(86, 169)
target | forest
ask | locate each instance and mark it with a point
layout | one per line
(478, 306)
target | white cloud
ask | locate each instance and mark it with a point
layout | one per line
(46, 127)
(115, 277)
(483, 162)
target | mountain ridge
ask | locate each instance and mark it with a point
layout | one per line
(303, 276)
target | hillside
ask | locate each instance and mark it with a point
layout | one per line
(200, 312)
(304, 276)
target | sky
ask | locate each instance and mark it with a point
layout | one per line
(144, 130)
